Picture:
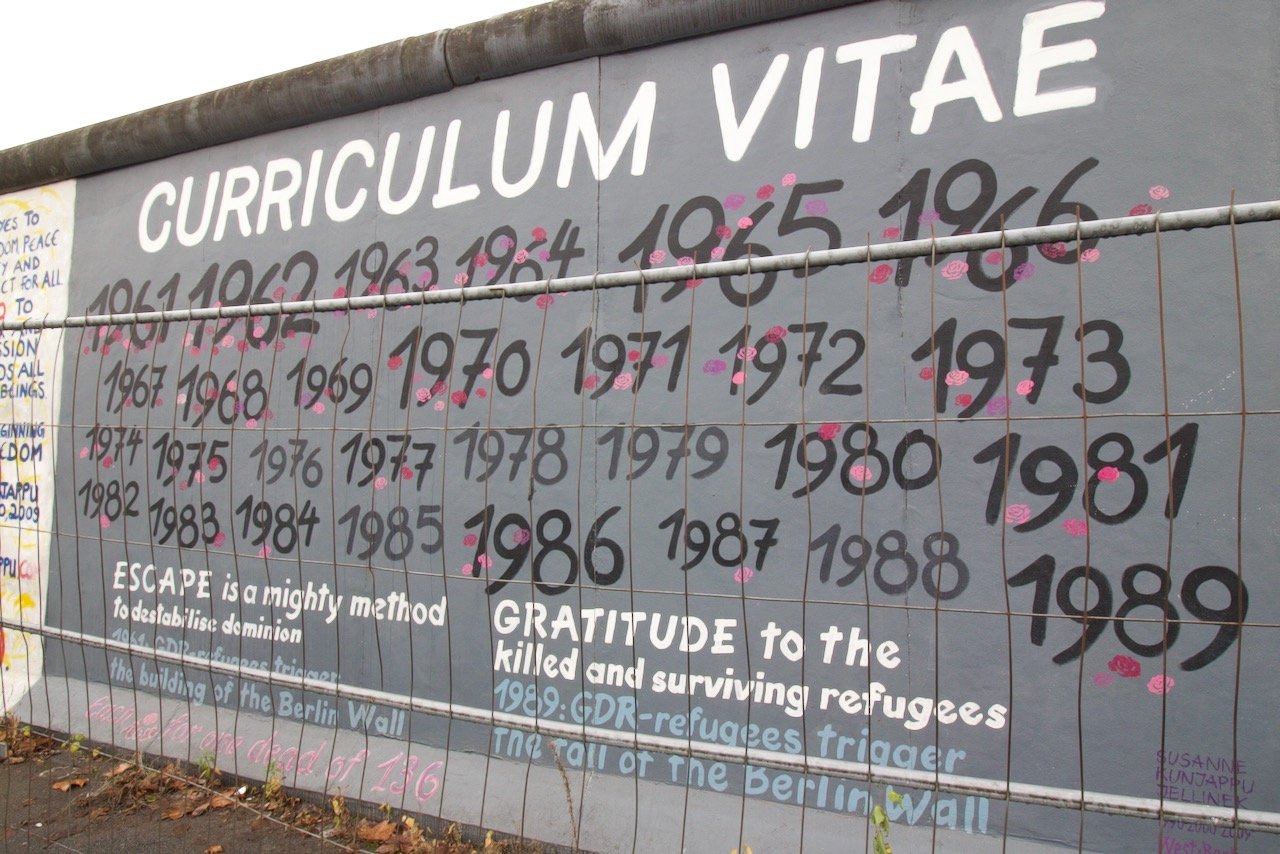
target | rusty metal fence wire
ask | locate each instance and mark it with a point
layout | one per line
(77, 641)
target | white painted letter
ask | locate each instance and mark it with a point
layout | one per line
(737, 136)
(145, 240)
(869, 53)
(395, 207)
(340, 213)
(279, 196)
(810, 80)
(447, 194)
(638, 122)
(1036, 57)
(955, 42)
(541, 131)
(237, 202)
(191, 238)
(313, 184)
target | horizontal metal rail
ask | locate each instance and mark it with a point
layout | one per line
(1185, 220)
(1024, 793)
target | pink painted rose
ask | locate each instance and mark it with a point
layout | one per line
(1127, 667)
(954, 270)
(957, 377)
(880, 274)
(1075, 527)
(1016, 514)
(1158, 192)
(1160, 684)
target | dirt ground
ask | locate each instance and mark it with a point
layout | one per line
(69, 797)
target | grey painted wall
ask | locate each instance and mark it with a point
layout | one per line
(347, 461)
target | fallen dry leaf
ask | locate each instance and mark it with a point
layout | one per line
(175, 812)
(380, 832)
(221, 802)
(201, 810)
(100, 812)
(213, 849)
(69, 784)
(118, 770)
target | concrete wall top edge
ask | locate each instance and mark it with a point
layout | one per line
(538, 37)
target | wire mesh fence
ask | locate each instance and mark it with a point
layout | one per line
(967, 533)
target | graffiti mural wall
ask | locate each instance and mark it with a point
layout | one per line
(995, 515)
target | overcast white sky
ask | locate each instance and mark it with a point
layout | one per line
(69, 63)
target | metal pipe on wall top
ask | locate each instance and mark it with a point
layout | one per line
(414, 67)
